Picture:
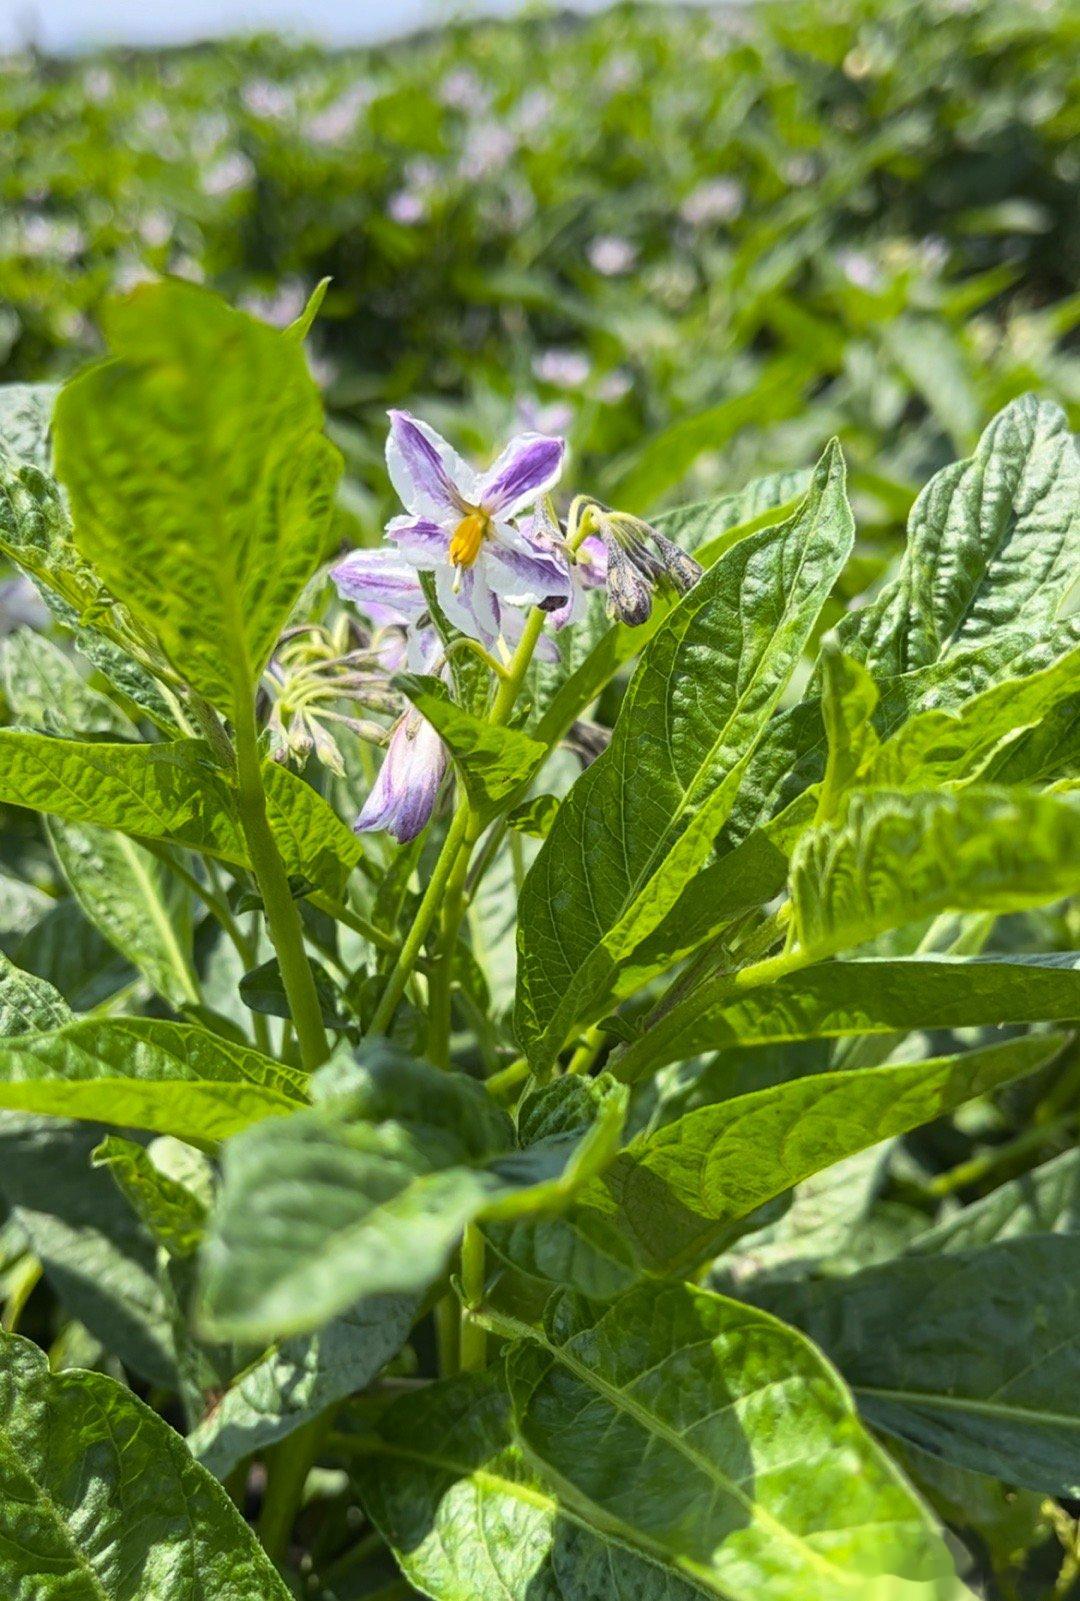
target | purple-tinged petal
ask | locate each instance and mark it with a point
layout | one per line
(467, 601)
(424, 649)
(592, 561)
(382, 583)
(403, 796)
(427, 473)
(528, 467)
(525, 571)
(424, 544)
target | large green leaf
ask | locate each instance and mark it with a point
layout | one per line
(367, 1193)
(973, 1355)
(173, 792)
(1045, 1200)
(100, 1499)
(467, 1517)
(494, 763)
(72, 957)
(172, 1078)
(200, 483)
(697, 1430)
(134, 901)
(992, 545)
(45, 691)
(876, 995)
(895, 857)
(296, 1380)
(173, 1214)
(678, 1187)
(641, 821)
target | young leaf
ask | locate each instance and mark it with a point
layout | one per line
(896, 857)
(134, 901)
(443, 1480)
(174, 1214)
(641, 821)
(101, 1499)
(494, 763)
(680, 1186)
(295, 1381)
(875, 995)
(171, 1078)
(973, 1355)
(200, 483)
(716, 1439)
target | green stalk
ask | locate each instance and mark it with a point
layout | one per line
(288, 1466)
(473, 1339)
(283, 917)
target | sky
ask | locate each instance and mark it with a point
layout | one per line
(72, 25)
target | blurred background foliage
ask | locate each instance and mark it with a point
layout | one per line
(699, 243)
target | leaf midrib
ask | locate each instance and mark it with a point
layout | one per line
(977, 1406)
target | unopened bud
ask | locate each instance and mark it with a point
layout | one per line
(629, 593)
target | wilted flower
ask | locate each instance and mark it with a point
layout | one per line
(403, 796)
(461, 524)
(640, 559)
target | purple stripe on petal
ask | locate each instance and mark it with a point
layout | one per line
(422, 543)
(382, 583)
(404, 794)
(528, 467)
(427, 473)
(525, 572)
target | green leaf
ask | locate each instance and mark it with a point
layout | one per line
(466, 1517)
(493, 763)
(992, 545)
(680, 1187)
(171, 1078)
(641, 821)
(201, 486)
(1045, 1200)
(71, 956)
(173, 1214)
(534, 817)
(296, 1380)
(367, 1193)
(875, 995)
(26, 420)
(174, 792)
(97, 1256)
(973, 1355)
(101, 1499)
(896, 857)
(134, 901)
(717, 1440)
(45, 691)
(848, 698)
(263, 990)
(28, 1004)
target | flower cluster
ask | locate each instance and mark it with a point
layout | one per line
(492, 548)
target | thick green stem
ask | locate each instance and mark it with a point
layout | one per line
(288, 1466)
(283, 917)
(591, 1045)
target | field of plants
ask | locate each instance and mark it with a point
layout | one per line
(540, 812)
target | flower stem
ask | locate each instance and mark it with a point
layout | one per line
(288, 1466)
(286, 930)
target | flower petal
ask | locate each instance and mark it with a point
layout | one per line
(424, 544)
(403, 796)
(528, 467)
(525, 570)
(383, 580)
(427, 473)
(471, 606)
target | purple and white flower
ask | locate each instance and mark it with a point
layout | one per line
(403, 796)
(461, 525)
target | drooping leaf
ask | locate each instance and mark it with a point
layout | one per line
(134, 901)
(973, 1355)
(200, 483)
(494, 763)
(874, 995)
(895, 857)
(102, 1499)
(174, 1214)
(296, 1380)
(465, 1515)
(718, 1440)
(676, 1188)
(367, 1193)
(172, 1078)
(641, 821)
